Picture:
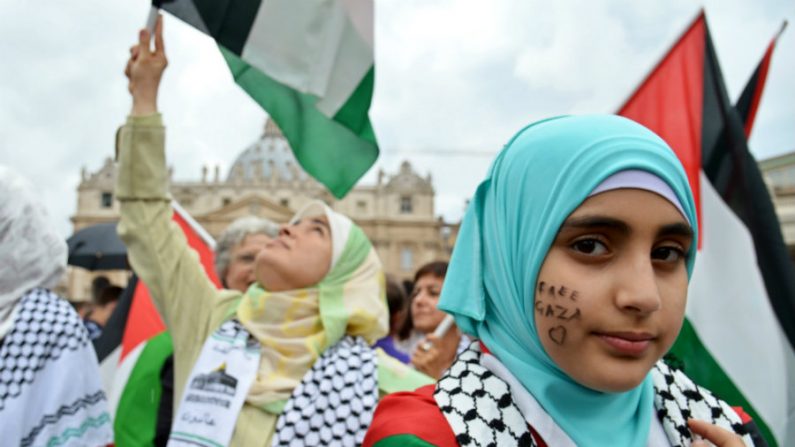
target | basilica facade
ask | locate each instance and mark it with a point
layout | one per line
(397, 212)
(779, 174)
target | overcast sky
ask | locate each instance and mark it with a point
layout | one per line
(454, 80)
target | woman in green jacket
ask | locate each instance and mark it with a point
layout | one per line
(289, 359)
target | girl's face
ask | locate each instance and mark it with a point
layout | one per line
(424, 314)
(610, 297)
(298, 258)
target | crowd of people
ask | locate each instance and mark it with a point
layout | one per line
(567, 285)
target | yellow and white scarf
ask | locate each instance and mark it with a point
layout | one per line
(296, 326)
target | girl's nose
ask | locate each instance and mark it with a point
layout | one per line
(638, 291)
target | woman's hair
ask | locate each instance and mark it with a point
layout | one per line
(98, 285)
(235, 233)
(435, 268)
(396, 297)
(109, 295)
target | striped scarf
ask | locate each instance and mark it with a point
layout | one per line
(295, 327)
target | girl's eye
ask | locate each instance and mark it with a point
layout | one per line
(667, 254)
(589, 247)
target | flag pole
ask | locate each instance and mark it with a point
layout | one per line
(151, 21)
(749, 99)
(783, 27)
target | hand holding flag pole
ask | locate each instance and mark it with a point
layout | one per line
(145, 69)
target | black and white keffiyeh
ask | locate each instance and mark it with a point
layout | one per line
(677, 399)
(335, 401)
(478, 405)
(50, 391)
(481, 409)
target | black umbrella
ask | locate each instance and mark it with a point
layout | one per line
(97, 247)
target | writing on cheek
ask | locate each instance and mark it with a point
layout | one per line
(557, 302)
(558, 334)
(551, 291)
(557, 311)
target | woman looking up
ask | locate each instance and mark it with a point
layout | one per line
(288, 360)
(571, 269)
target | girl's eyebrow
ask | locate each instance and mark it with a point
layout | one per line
(676, 229)
(593, 222)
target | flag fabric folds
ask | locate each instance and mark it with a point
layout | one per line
(310, 65)
(739, 335)
(135, 353)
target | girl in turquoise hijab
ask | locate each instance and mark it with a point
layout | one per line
(571, 268)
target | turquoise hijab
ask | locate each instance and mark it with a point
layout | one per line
(541, 176)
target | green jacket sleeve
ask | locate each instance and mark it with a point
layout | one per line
(156, 247)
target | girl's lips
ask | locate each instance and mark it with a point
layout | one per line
(627, 343)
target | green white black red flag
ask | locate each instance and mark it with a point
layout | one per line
(310, 65)
(739, 335)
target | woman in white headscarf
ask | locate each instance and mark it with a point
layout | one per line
(50, 390)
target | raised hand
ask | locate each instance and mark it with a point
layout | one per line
(144, 70)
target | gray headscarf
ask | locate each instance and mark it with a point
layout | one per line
(32, 253)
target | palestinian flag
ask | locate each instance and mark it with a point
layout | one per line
(310, 66)
(134, 348)
(739, 335)
(748, 103)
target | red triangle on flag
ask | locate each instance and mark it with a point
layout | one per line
(670, 101)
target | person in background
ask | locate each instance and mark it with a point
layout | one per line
(398, 312)
(82, 307)
(432, 355)
(50, 388)
(101, 309)
(98, 284)
(237, 249)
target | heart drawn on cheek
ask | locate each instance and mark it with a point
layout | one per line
(558, 334)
